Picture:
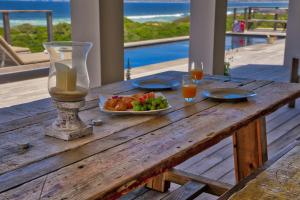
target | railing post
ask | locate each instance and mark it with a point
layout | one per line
(249, 16)
(6, 27)
(275, 18)
(234, 14)
(49, 26)
(245, 18)
(249, 12)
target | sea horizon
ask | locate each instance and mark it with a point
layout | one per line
(133, 10)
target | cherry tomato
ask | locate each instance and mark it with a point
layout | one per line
(142, 100)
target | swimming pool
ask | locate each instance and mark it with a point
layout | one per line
(147, 55)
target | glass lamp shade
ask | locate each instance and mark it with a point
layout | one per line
(68, 76)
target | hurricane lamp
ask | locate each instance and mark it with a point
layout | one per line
(68, 85)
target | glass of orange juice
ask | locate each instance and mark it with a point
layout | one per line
(189, 88)
(197, 72)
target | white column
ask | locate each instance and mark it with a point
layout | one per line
(112, 40)
(100, 22)
(207, 34)
(292, 47)
(85, 17)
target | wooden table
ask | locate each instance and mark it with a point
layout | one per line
(128, 151)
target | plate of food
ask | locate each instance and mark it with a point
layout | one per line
(141, 103)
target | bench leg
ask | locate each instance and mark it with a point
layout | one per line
(250, 148)
(159, 183)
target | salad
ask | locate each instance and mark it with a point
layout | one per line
(150, 102)
(137, 102)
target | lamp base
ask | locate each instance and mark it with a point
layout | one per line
(68, 126)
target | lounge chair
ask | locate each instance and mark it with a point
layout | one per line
(20, 56)
(20, 49)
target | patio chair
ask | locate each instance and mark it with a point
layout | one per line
(20, 56)
(294, 76)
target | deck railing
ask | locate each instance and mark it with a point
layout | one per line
(249, 12)
(6, 22)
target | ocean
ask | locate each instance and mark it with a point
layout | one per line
(140, 12)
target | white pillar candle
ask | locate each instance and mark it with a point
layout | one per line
(66, 77)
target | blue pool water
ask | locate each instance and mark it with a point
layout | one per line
(148, 55)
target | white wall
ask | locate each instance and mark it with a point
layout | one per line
(207, 34)
(292, 48)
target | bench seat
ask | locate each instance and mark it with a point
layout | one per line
(280, 180)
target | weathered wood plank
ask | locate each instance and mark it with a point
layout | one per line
(198, 159)
(188, 191)
(248, 156)
(285, 128)
(229, 177)
(28, 192)
(153, 195)
(135, 193)
(206, 196)
(281, 119)
(182, 177)
(7, 115)
(159, 183)
(208, 162)
(168, 146)
(284, 140)
(219, 170)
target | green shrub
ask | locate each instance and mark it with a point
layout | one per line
(30, 36)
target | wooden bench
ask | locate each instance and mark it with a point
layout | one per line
(280, 174)
(277, 179)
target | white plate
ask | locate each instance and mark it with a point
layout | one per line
(156, 84)
(103, 98)
(228, 94)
